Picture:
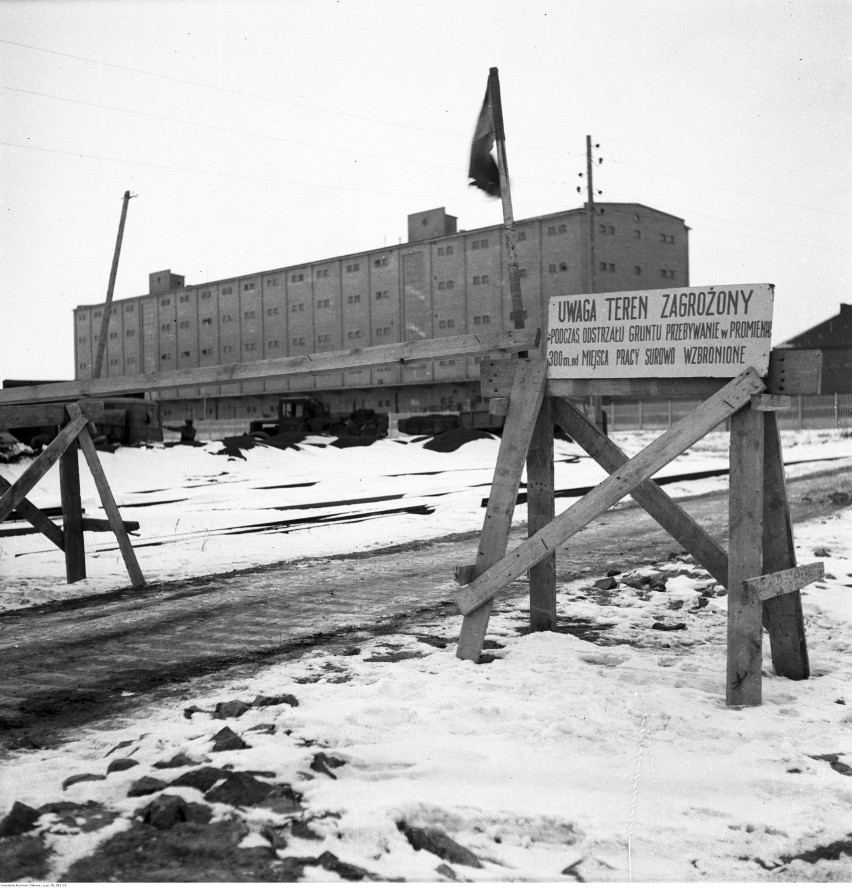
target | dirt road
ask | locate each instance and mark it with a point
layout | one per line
(67, 663)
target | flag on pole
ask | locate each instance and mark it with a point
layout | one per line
(483, 168)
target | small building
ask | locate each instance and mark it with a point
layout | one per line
(834, 339)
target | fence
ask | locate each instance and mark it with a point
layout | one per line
(807, 412)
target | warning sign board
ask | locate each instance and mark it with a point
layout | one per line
(684, 332)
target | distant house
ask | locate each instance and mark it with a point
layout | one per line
(834, 339)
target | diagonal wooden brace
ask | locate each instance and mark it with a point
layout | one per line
(658, 504)
(524, 405)
(36, 517)
(38, 469)
(641, 467)
(783, 582)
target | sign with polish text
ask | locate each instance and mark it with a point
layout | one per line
(676, 332)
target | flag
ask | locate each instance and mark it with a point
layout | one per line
(483, 168)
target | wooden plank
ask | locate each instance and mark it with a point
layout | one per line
(39, 467)
(783, 582)
(794, 371)
(768, 403)
(636, 470)
(541, 509)
(524, 406)
(111, 509)
(782, 617)
(24, 415)
(102, 525)
(498, 406)
(272, 368)
(658, 504)
(37, 518)
(72, 516)
(745, 559)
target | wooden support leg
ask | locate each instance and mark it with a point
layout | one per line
(658, 504)
(541, 510)
(745, 554)
(524, 404)
(36, 517)
(782, 616)
(72, 516)
(111, 509)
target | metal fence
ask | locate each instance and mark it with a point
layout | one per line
(807, 412)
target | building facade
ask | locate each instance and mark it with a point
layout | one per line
(440, 282)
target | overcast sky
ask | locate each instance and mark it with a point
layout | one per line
(260, 134)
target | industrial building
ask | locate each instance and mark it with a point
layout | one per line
(833, 338)
(440, 282)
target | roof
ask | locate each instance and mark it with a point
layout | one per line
(836, 332)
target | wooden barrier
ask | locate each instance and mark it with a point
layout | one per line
(759, 570)
(63, 450)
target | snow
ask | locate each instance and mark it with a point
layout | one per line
(618, 760)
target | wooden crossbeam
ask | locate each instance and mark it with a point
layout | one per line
(783, 582)
(658, 504)
(107, 499)
(321, 362)
(768, 403)
(524, 405)
(40, 466)
(640, 468)
(36, 518)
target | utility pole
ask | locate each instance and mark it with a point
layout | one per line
(99, 359)
(596, 400)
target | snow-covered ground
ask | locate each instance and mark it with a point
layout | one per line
(194, 506)
(563, 759)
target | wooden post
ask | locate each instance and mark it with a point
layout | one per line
(541, 510)
(782, 616)
(72, 515)
(524, 404)
(745, 558)
(99, 356)
(108, 501)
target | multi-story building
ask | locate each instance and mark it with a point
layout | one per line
(441, 282)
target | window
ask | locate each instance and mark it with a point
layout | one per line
(637, 269)
(81, 339)
(636, 218)
(354, 298)
(296, 278)
(249, 314)
(354, 266)
(479, 244)
(81, 318)
(297, 306)
(522, 272)
(324, 337)
(563, 228)
(129, 332)
(563, 266)
(96, 314)
(298, 340)
(272, 311)
(83, 365)
(443, 325)
(667, 273)
(322, 272)
(382, 294)
(249, 286)
(185, 354)
(521, 236)
(165, 302)
(205, 294)
(666, 238)
(227, 349)
(380, 263)
(184, 325)
(272, 282)
(481, 279)
(165, 326)
(551, 229)
(113, 362)
(129, 308)
(207, 322)
(130, 360)
(227, 319)
(166, 356)
(323, 303)
(446, 285)
(552, 268)
(250, 346)
(226, 291)
(451, 362)
(184, 297)
(382, 331)
(353, 334)
(206, 351)
(447, 251)
(273, 343)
